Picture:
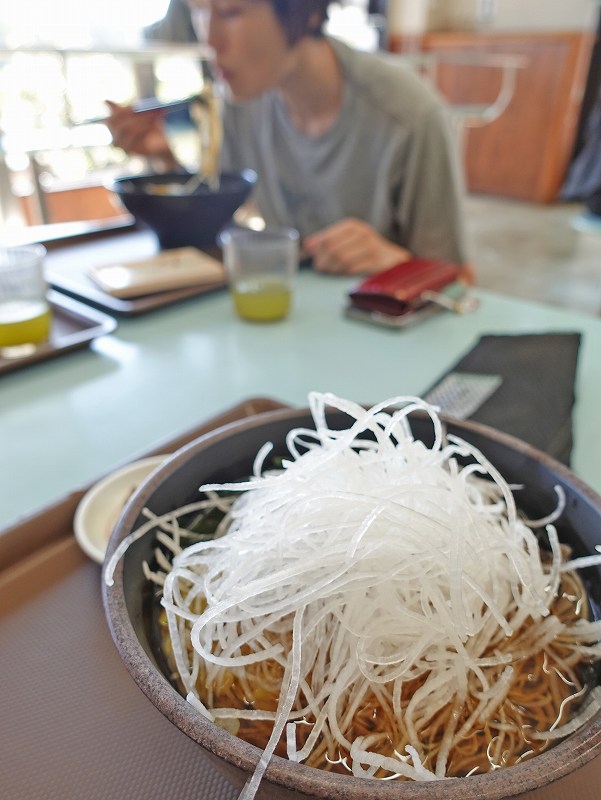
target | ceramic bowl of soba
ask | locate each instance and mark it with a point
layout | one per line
(350, 602)
(182, 215)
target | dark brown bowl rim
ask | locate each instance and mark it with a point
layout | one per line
(562, 759)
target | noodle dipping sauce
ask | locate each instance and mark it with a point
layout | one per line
(261, 266)
(25, 314)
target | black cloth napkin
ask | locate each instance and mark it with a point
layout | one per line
(519, 384)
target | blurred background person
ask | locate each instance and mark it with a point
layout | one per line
(355, 152)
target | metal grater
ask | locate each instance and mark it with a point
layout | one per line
(460, 394)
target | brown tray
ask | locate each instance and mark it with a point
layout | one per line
(73, 280)
(74, 725)
(57, 234)
(74, 325)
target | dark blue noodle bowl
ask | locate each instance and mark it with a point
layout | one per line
(184, 220)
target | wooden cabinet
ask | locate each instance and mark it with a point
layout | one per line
(526, 151)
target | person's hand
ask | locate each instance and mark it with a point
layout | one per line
(352, 247)
(140, 134)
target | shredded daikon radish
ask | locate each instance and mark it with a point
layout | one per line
(361, 566)
(588, 712)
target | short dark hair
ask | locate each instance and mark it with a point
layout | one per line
(301, 18)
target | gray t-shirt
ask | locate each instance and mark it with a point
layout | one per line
(389, 159)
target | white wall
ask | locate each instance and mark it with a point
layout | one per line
(546, 14)
(517, 15)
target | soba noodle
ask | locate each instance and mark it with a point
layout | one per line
(379, 607)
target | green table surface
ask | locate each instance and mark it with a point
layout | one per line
(65, 421)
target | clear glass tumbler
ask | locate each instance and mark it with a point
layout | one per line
(261, 266)
(25, 313)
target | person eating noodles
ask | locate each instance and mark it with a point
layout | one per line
(355, 152)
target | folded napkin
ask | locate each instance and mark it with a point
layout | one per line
(522, 385)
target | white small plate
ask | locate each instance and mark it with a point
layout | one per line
(99, 508)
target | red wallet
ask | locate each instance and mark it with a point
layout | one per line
(399, 290)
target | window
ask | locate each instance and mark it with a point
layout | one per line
(77, 23)
(56, 70)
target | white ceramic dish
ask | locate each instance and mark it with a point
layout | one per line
(99, 508)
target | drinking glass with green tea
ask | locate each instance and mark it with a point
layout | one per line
(261, 266)
(25, 313)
